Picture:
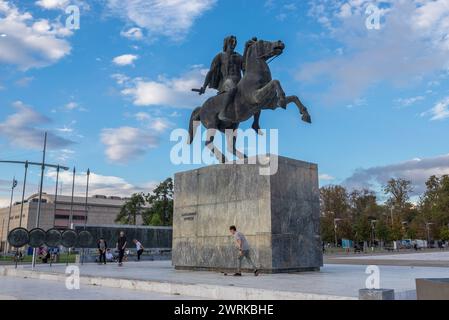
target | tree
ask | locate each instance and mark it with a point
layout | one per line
(131, 209)
(160, 205)
(334, 201)
(434, 204)
(399, 191)
(444, 234)
(334, 205)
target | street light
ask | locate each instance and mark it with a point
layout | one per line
(428, 224)
(373, 226)
(335, 231)
(13, 186)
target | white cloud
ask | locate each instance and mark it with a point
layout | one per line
(100, 184)
(171, 92)
(133, 34)
(121, 79)
(61, 4)
(412, 45)
(406, 102)
(24, 82)
(440, 111)
(53, 4)
(125, 60)
(326, 177)
(24, 129)
(158, 124)
(72, 106)
(127, 143)
(30, 42)
(172, 18)
(417, 170)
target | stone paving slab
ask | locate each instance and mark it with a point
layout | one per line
(332, 282)
(34, 289)
(423, 259)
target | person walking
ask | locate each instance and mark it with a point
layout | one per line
(121, 247)
(102, 248)
(244, 251)
(139, 248)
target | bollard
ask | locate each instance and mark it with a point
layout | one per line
(376, 294)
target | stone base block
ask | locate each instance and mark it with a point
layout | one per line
(279, 214)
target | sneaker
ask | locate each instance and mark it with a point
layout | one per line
(256, 272)
(238, 274)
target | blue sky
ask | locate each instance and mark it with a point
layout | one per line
(111, 92)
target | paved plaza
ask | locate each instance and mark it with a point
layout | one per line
(334, 281)
(411, 259)
(32, 289)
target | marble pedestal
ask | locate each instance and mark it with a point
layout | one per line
(279, 214)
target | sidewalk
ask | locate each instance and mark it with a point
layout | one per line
(332, 282)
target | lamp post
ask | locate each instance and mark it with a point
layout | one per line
(373, 226)
(41, 185)
(335, 231)
(13, 186)
(23, 193)
(428, 224)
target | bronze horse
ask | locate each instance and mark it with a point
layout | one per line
(256, 91)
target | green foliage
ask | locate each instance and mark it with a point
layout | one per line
(131, 209)
(444, 234)
(156, 208)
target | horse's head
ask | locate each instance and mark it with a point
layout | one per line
(261, 49)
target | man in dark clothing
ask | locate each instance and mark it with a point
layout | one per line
(121, 247)
(102, 248)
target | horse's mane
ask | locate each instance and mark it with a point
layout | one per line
(245, 53)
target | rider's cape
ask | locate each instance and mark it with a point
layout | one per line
(215, 71)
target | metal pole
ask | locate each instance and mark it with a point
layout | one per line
(14, 184)
(1, 237)
(87, 195)
(71, 202)
(85, 208)
(56, 196)
(392, 220)
(40, 195)
(71, 210)
(335, 230)
(23, 193)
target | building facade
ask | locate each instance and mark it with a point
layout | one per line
(100, 210)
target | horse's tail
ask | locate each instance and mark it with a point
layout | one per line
(192, 127)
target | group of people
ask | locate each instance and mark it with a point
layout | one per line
(105, 254)
(122, 243)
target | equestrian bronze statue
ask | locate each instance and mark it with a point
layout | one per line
(241, 99)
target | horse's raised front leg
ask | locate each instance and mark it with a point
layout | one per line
(211, 146)
(302, 109)
(232, 147)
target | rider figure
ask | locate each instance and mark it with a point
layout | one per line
(225, 73)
